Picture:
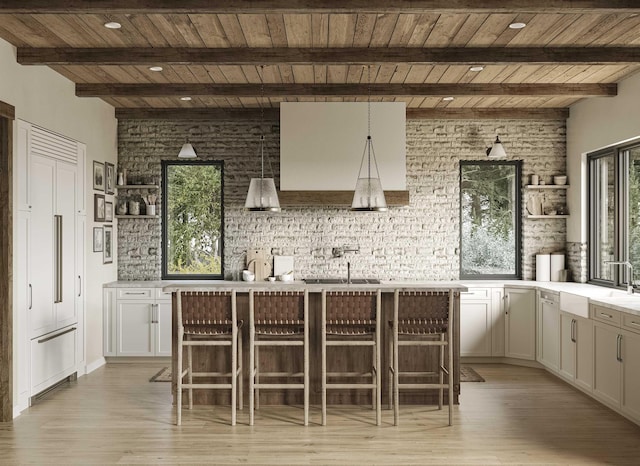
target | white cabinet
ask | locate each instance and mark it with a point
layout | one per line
(617, 360)
(137, 322)
(475, 327)
(520, 323)
(481, 323)
(576, 350)
(548, 344)
(607, 366)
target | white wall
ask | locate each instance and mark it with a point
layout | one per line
(593, 124)
(45, 98)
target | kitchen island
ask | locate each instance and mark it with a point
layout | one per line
(351, 357)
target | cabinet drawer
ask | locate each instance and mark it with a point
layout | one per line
(631, 322)
(474, 294)
(604, 314)
(136, 293)
(163, 295)
(53, 357)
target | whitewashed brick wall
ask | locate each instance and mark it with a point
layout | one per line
(416, 242)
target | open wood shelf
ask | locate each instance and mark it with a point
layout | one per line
(137, 186)
(547, 216)
(547, 186)
(137, 216)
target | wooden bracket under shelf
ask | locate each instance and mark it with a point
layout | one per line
(335, 198)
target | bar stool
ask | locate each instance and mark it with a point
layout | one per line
(352, 319)
(278, 319)
(422, 318)
(208, 318)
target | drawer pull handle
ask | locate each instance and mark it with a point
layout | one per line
(608, 316)
(619, 349)
(633, 322)
(44, 340)
(136, 293)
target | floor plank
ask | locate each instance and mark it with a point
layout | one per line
(518, 416)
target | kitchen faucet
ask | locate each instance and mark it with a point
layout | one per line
(629, 268)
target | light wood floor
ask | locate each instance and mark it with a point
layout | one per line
(519, 416)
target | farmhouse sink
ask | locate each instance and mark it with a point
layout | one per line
(338, 281)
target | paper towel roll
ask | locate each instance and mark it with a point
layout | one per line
(543, 267)
(557, 264)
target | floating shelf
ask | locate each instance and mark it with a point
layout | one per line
(335, 198)
(137, 186)
(137, 216)
(547, 216)
(547, 186)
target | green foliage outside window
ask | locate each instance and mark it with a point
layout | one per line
(193, 218)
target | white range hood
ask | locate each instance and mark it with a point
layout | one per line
(321, 144)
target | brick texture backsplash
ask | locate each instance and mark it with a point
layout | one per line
(416, 242)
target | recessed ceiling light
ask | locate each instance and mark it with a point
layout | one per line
(448, 99)
(517, 25)
(476, 68)
(112, 25)
(155, 68)
(185, 98)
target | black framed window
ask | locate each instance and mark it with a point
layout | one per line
(490, 221)
(192, 220)
(614, 214)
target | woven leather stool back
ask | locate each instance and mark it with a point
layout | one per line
(278, 312)
(206, 312)
(351, 312)
(423, 312)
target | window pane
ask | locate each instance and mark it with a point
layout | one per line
(634, 209)
(489, 230)
(193, 219)
(603, 216)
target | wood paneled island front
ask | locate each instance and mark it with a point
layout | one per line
(351, 359)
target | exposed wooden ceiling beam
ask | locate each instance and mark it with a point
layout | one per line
(341, 90)
(327, 56)
(274, 113)
(313, 6)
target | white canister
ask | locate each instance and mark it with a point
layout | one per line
(543, 267)
(535, 179)
(151, 209)
(557, 265)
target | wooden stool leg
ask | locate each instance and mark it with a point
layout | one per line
(323, 346)
(240, 375)
(257, 368)
(390, 371)
(234, 374)
(396, 365)
(374, 371)
(179, 384)
(252, 372)
(441, 373)
(190, 378)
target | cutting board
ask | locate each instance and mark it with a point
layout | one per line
(282, 264)
(258, 264)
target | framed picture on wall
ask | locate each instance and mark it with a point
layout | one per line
(108, 211)
(110, 178)
(98, 207)
(107, 254)
(98, 176)
(97, 239)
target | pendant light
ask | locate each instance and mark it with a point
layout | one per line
(187, 151)
(497, 150)
(262, 195)
(369, 195)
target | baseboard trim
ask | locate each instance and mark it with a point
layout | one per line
(16, 411)
(138, 359)
(502, 360)
(98, 363)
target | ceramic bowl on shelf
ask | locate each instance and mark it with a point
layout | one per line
(560, 180)
(286, 277)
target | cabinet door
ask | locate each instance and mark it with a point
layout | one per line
(549, 315)
(520, 324)
(80, 287)
(497, 322)
(22, 168)
(567, 367)
(607, 368)
(135, 334)
(65, 207)
(163, 328)
(109, 322)
(631, 374)
(22, 304)
(42, 318)
(584, 353)
(475, 328)
(81, 182)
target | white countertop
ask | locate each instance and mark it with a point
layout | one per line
(607, 297)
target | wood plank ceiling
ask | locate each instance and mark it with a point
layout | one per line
(218, 54)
